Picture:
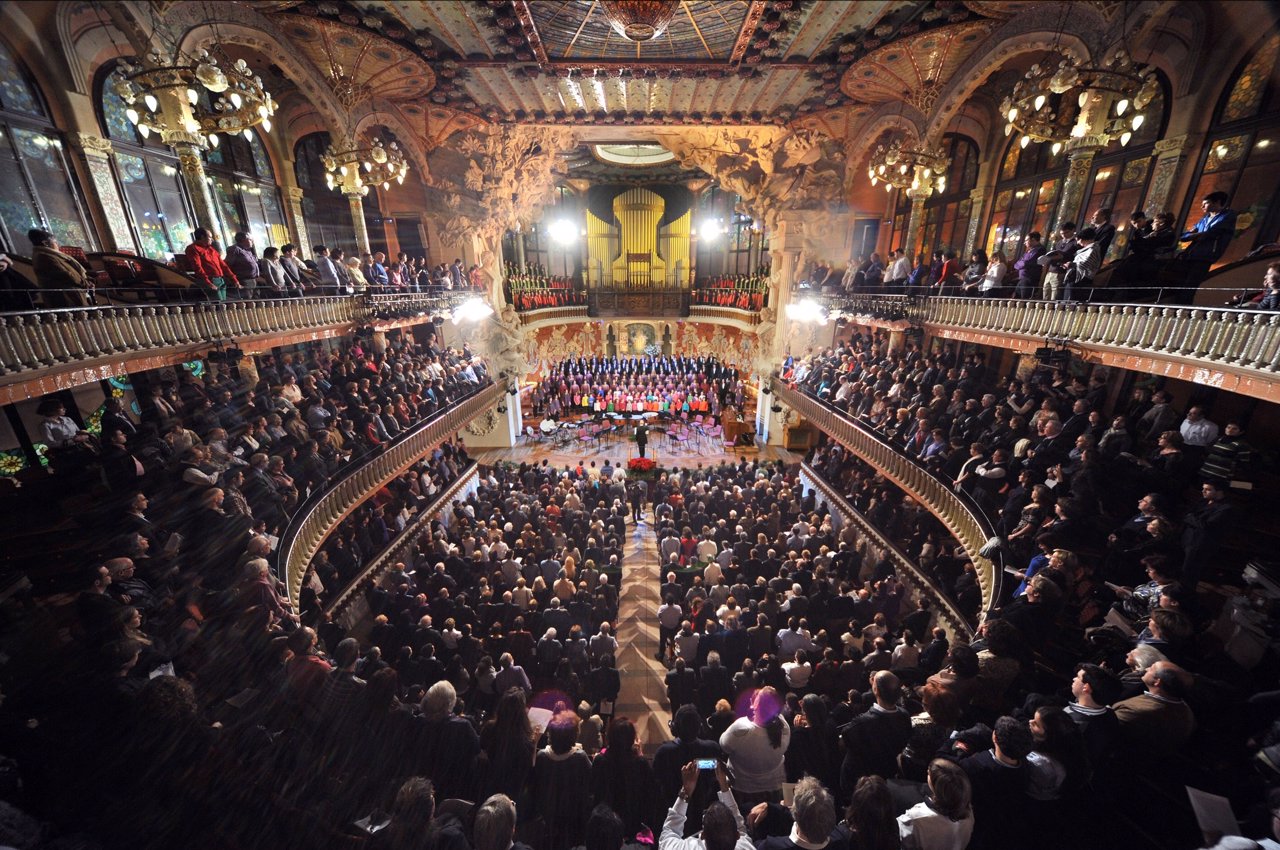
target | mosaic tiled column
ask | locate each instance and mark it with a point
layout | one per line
(293, 200)
(1168, 156)
(1073, 187)
(915, 223)
(197, 182)
(356, 200)
(976, 199)
(96, 152)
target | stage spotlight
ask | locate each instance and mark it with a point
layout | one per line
(563, 232)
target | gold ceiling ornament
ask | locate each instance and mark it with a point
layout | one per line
(917, 169)
(378, 163)
(640, 20)
(166, 96)
(1035, 109)
(350, 93)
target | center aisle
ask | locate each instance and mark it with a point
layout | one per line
(643, 695)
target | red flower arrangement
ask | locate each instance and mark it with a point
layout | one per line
(641, 464)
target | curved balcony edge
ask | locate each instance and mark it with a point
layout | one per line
(969, 528)
(907, 569)
(96, 340)
(317, 519)
(346, 608)
(1237, 350)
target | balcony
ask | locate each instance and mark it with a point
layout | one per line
(1234, 350)
(52, 349)
(960, 517)
(906, 569)
(322, 513)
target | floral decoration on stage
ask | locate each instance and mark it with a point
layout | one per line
(642, 467)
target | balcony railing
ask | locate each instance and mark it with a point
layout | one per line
(350, 605)
(322, 513)
(710, 311)
(45, 339)
(1246, 341)
(907, 570)
(962, 519)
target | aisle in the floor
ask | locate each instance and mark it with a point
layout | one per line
(643, 695)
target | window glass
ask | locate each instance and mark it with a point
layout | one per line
(114, 116)
(1245, 100)
(148, 218)
(17, 207)
(16, 95)
(43, 157)
(261, 162)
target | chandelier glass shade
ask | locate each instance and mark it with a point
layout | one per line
(222, 100)
(378, 163)
(1037, 107)
(918, 169)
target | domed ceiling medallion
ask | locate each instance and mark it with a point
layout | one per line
(640, 20)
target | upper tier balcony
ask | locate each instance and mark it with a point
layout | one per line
(1232, 349)
(45, 350)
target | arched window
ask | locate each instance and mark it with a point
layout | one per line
(1121, 173)
(154, 194)
(244, 189)
(946, 214)
(1242, 153)
(1027, 190)
(37, 188)
(326, 211)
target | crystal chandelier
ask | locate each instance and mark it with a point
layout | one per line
(236, 99)
(379, 163)
(918, 169)
(1034, 107)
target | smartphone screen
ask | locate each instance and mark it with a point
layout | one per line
(706, 764)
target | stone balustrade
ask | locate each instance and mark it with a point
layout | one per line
(957, 514)
(319, 516)
(908, 571)
(47, 339)
(1245, 343)
(350, 605)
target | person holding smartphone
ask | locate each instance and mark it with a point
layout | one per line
(722, 824)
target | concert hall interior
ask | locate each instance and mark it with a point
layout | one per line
(551, 424)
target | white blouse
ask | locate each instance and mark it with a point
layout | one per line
(994, 277)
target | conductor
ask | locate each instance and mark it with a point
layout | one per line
(642, 438)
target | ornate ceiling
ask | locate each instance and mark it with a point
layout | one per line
(685, 62)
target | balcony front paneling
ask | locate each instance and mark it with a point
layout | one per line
(965, 524)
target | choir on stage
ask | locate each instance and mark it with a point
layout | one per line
(629, 385)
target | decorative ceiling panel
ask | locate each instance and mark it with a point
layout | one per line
(581, 30)
(914, 68)
(568, 61)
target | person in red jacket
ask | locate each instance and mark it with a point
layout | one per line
(209, 267)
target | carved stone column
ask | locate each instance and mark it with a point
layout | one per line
(519, 240)
(1072, 197)
(915, 224)
(96, 153)
(1168, 155)
(293, 200)
(976, 198)
(192, 168)
(356, 200)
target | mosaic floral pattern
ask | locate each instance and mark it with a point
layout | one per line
(1246, 96)
(15, 94)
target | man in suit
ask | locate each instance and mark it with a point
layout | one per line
(873, 739)
(682, 686)
(1208, 241)
(998, 778)
(642, 438)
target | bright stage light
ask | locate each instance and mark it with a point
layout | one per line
(563, 231)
